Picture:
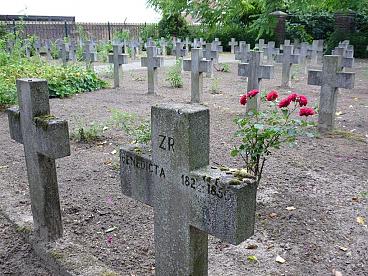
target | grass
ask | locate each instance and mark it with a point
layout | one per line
(338, 133)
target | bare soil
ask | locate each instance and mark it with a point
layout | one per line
(325, 179)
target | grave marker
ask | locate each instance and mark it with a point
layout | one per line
(179, 51)
(232, 44)
(152, 62)
(72, 51)
(270, 51)
(163, 45)
(287, 58)
(117, 58)
(190, 198)
(330, 79)
(90, 54)
(210, 55)
(344, 61)
(255, 73)
(243, 52)
(45, 138)
(197, 65)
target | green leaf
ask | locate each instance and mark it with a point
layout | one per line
(234, 153)
(252, 258)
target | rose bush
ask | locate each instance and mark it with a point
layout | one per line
(262, 131)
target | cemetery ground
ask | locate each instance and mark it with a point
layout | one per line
(311, 203)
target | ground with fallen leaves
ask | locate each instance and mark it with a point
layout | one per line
(312, 203)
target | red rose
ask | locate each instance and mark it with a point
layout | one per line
(252, 93)
(243, 99)
(305, 111)
(284, 102)
(293, 97)
(302, 100)
(273, 95)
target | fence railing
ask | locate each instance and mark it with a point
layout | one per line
(73, 30)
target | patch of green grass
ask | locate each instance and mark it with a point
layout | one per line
(215, 86)
(23, 229)
(88, 133)
(56, 254)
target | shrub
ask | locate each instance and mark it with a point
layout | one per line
(174, 76)
(148, 31)
(173, 25)
(261, 132)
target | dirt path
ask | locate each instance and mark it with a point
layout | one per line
(325, 179)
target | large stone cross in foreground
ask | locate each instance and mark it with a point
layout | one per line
(287, 58)
(255, 73)
(117, 58)
(152, 62)
(190, 198)
(45, 138)
(197, 65)
(330, 79)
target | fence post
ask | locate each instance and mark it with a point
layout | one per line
(14, 28)
(109, 30)
(66, 28)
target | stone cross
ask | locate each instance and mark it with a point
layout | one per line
(314, 51)
(152, 62)
(286, 43)
(48, 49)
(187, 43)
(210, 55)
(243, 52)
(255, 73)
(344, 62)
(179, 51)
(190, 198)
(45, 138)
(37, 46)
(270, 51)
(330, 78)
(287, 58)
(163, 45)
(64, 52)
(72, 51)
(27, 48)
(149, 43)
(90, 54)
(195, 43)
(201, 42)
(117, 58)
(303, 52)
(261, 44)
(232, 44)
(216, 45)
(197, 65)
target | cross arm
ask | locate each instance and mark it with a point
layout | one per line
(345, 80)
(279, 58)
(266, 72)
(347, 62)
(122, 58)
(314, 77)
(137, 172)
(204, 66)
(295, 59)
(158, 61)
(243, 69)
(222, 206)
(187, 65)
(52, 136)
(14, 124)
(144, 62)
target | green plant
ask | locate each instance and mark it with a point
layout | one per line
(88, 133)
(260, 132)
(149, 30)
(174, 75)
(103, 50)
(173, 25)
(215, 86)
(122, 35)
(139, 130)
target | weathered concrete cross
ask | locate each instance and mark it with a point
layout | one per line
(64, 52)
(287, 58)
(232, 44)
(210, 55)
(345, 62)
(190, 198)
(243, 53)
(270, 51)
(255, 73)
(197, 66)
(330, 79)
(72, 51)
(152, 62)
(117, 58)
(45, 138)
(163, 45)
(90, 54)
(179, 50)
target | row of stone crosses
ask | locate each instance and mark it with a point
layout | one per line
(191, 199)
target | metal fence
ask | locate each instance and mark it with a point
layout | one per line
(56, 30)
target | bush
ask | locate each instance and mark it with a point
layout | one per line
(173, 25)
(63, 81)
(88, 133)
(148, 31)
